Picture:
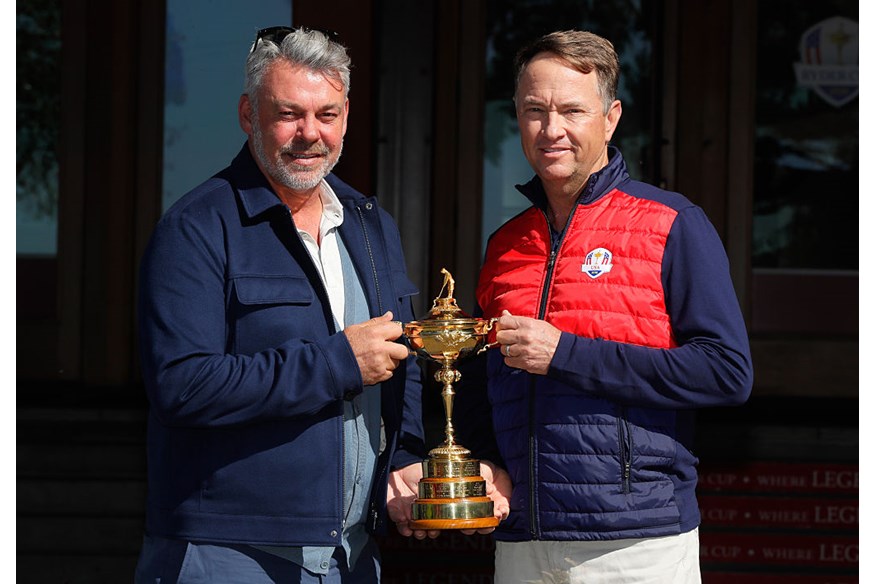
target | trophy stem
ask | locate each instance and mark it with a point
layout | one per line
(449, 449)
(447, 375)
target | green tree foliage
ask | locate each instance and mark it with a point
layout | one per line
(38, 104)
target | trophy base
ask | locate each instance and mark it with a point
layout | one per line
(452, 495)
(442, 524)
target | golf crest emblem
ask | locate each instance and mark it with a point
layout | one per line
(829, 60)
(597, 262)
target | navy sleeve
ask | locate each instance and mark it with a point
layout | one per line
(711, 366)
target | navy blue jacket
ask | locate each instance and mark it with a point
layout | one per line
(245, 372)
(601, 447)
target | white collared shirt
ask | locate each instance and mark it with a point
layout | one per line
(325, 254)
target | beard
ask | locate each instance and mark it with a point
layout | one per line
(295, 176)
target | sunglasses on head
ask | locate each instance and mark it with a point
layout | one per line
(276, 34)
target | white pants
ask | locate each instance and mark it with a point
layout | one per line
(674, 559)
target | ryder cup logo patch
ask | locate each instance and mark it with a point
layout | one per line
(597, 262)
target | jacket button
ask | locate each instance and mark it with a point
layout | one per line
(334, 533)
(369, 205)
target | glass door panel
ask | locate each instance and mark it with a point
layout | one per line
(38, 112)
(205, 53)
(806, 151)
(631, 26)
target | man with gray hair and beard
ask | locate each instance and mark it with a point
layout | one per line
(284, 414)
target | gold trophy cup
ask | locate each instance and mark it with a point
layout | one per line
(451, 494)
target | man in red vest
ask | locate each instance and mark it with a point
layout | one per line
(617, 318)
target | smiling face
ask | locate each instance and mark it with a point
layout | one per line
(564, 129)
(297, 129)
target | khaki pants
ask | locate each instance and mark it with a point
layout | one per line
(661, 560)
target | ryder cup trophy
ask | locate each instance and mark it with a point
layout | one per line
(452, 494)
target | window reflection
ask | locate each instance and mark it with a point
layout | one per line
(629, 25)
(806, 153)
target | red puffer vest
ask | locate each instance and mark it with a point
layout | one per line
(604, 282)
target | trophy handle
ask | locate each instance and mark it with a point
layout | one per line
(487, 328)
(404, 337)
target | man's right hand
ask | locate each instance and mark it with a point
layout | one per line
(373, 346)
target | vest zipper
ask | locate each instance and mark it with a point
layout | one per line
(534, 529)
(625, 440)
(552, 260)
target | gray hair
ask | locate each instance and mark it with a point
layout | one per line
(312, 49)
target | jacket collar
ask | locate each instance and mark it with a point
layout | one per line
(361, 232)
(599, 183)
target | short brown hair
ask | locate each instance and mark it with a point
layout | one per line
(583, 51)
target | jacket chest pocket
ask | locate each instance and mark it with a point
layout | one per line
(267, 311)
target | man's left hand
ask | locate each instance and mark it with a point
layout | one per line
(527, 343)
(499, 490)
